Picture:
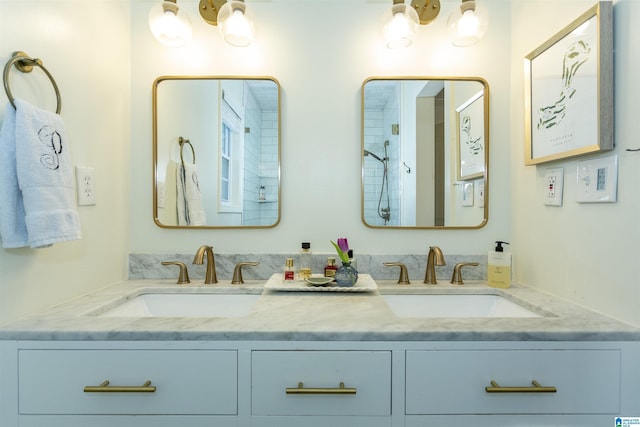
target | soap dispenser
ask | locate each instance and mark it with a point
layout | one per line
(499, 267)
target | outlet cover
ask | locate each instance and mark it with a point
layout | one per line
(553, 186)
(597, 180)
(85, 185)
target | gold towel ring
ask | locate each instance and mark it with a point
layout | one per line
(25, 64)
(182, 143)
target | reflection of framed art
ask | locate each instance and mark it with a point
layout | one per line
(471, 137)
(569, 90)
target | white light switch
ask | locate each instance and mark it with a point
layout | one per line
(553, 186)
(597, 180)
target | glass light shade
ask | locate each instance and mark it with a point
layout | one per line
(170, 25)
(468, 23)
(234, 24)
(399, 26)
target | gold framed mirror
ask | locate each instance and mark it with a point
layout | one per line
(216, 152)
(425, 152)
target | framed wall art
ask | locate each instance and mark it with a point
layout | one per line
(471, 138)
(569, 90)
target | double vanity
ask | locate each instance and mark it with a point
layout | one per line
(153, 353)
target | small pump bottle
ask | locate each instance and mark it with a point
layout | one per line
(289, 273)
(262, 194)
(330, 268)
(304, 265)
(352, 259)
(499, 267)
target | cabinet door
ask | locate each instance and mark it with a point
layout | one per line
(275, 388)
(185, 381)
(454, 382)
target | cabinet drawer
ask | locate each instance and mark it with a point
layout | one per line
(186, 382)
(453, 382)
(276, 376)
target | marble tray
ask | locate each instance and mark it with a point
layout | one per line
(365, 283)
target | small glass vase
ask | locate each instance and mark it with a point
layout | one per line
(346, 275)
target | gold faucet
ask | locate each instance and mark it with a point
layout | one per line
(210, 276)
(183, 276)
(237, 272)
(456, 278)
(403, 279)
(435, 257)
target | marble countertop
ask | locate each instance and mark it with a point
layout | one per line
(320, 316)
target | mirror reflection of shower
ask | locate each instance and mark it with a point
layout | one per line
(383, 212)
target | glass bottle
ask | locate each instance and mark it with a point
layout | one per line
(289, 273)
(330, 268)
(304, 265)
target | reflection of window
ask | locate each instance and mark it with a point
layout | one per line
(231, 160)
(225, 164)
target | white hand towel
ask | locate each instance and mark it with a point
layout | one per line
(12, 226)
(181, 200)
(45, 176)
(193, 195)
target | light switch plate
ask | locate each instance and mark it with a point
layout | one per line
(597, 180)
(553, 186)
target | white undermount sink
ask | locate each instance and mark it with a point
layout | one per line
(455, 305)
(184, 305)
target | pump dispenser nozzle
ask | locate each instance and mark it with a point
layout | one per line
(499, 244)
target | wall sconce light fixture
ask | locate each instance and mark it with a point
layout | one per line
(169, 24)
(400, 23)
(235, 26)
(468, 23)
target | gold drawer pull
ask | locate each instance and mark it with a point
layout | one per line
(314, 390)
(106, 388)
(537, 388)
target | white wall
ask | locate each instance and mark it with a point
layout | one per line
(582, 252)
(85, 46)
(321, 52)
(586, 253)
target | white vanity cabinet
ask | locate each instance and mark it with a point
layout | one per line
(349, 387)
(317, 383)
(69, 387)
(512, 382)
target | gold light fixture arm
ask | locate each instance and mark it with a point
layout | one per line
(209, 10)
(428, 10)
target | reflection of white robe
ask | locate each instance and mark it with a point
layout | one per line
(189, 199)
(169, 214)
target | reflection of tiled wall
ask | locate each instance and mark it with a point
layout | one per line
(269, 170)
(252, 139)
(377, 125)
(261, 161)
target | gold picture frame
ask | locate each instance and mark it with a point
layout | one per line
(569, 90)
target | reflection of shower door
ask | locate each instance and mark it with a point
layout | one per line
(439, 182)
(430, 157)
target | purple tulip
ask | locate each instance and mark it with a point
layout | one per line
(343, 244)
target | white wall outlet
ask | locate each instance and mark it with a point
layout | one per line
(85, 186)
(553, 186)
(597, 180)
